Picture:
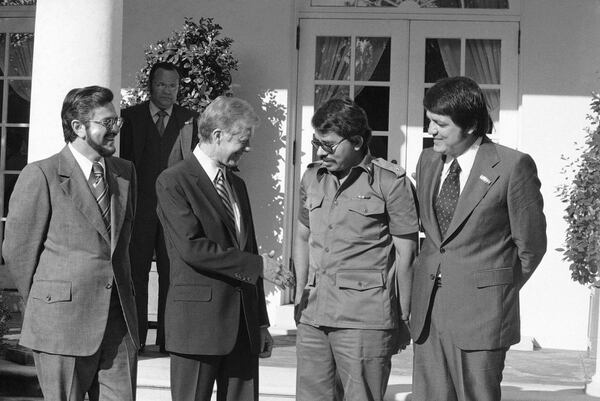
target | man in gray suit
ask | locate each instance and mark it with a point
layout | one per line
(67, 247)
(481, 210)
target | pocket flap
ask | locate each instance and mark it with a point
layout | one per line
(314, 201)
(197, 293)
(359, 279)
(51, 291)
(488, 278)
(367, 207)
(312, 276)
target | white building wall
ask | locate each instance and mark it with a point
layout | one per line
(559, 60)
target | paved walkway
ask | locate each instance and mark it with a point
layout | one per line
(542, 375)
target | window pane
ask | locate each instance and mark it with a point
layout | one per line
(2, 52)
(442, 59)
(2, 118)
(372, 59)
(16, 148)
(376, 102)
(425, 119)
(19, 93)
(501, 4)
(492, 96)
(379, 146)
(427, 143)
(332, 58)
(486, 4)
(9, 184)
(325, 92)
(20, 54)
(482, 60)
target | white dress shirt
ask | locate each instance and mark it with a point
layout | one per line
(465, 161)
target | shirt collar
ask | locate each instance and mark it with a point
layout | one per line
(84, 163)
(210, 166)
(155, 109)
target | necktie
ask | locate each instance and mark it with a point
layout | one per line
(222, 191)
(100, 190)
(446, 201)
(160, 123)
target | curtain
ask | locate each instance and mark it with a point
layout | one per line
(483, 66)
(20, 62)
(368, 53)
(332, 63)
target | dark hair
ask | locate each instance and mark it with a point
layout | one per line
(162, 65)
(79, 105)
(461, 99)
(226, 113)
(344, 117)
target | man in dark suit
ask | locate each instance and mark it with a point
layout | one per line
(149, 131)
(216, 317)
(481, 210)
(67, 247)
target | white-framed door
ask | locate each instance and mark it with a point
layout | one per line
(484, 51)
(359, 59)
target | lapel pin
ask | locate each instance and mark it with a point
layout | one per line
(484, 179)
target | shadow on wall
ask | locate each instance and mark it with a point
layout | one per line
(263, 169)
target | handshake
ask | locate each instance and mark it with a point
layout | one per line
(273, 271)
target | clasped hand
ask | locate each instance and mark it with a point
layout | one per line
(274, 272)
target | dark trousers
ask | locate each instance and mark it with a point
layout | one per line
(146, 241)
(444, 372)
(108, 375)
(236, 374)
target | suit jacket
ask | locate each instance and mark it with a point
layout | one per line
(495, 240)
(60, 254)
(214, 275)
(138, 122)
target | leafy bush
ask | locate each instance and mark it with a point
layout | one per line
(204, 60)
(582, 196)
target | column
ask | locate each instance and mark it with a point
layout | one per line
(77, 43)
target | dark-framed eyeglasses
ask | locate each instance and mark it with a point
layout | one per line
(325, 146)
(112, 124)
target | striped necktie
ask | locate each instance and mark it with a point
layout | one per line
(100, 191)
(446, 201)
(222, 191)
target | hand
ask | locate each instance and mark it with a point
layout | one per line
(274, 272)
(266, 342)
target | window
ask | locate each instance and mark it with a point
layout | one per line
(483, 4)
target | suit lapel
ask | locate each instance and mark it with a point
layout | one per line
(75, 186)
(244, 205)
(480, 180)
(118, 187)
(211, 194)
(431, 182)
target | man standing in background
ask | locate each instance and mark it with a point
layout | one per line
(149, 132)
(67, 247)
(481, 210)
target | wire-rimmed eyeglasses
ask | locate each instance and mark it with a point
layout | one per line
(325, 146)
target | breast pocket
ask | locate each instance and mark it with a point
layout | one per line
(314, 204)
(368, 218)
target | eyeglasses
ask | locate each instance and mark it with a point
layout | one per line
(325, 146)
(112, 124)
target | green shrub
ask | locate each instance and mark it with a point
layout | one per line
(204, 60)
(582, 195)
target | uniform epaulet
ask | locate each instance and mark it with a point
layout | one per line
(386, 165)
(315, 164)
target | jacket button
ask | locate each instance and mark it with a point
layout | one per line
(360, 284)
(330, 227)
(326, 249)
(432, 276)
(442, 250)
(48, 298)
(108, 286)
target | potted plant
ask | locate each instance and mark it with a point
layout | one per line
(204, 60)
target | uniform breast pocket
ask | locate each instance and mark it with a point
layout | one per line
(50, 291)
(367, 218)
(314, 204)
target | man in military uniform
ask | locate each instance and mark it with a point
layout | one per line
(356, 239)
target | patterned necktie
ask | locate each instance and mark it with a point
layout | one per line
(100, 190)
(446, 201)
(160, 123)
(222, 191)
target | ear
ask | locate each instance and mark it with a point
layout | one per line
(357, 141)
(79, 128)
(216, 135)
